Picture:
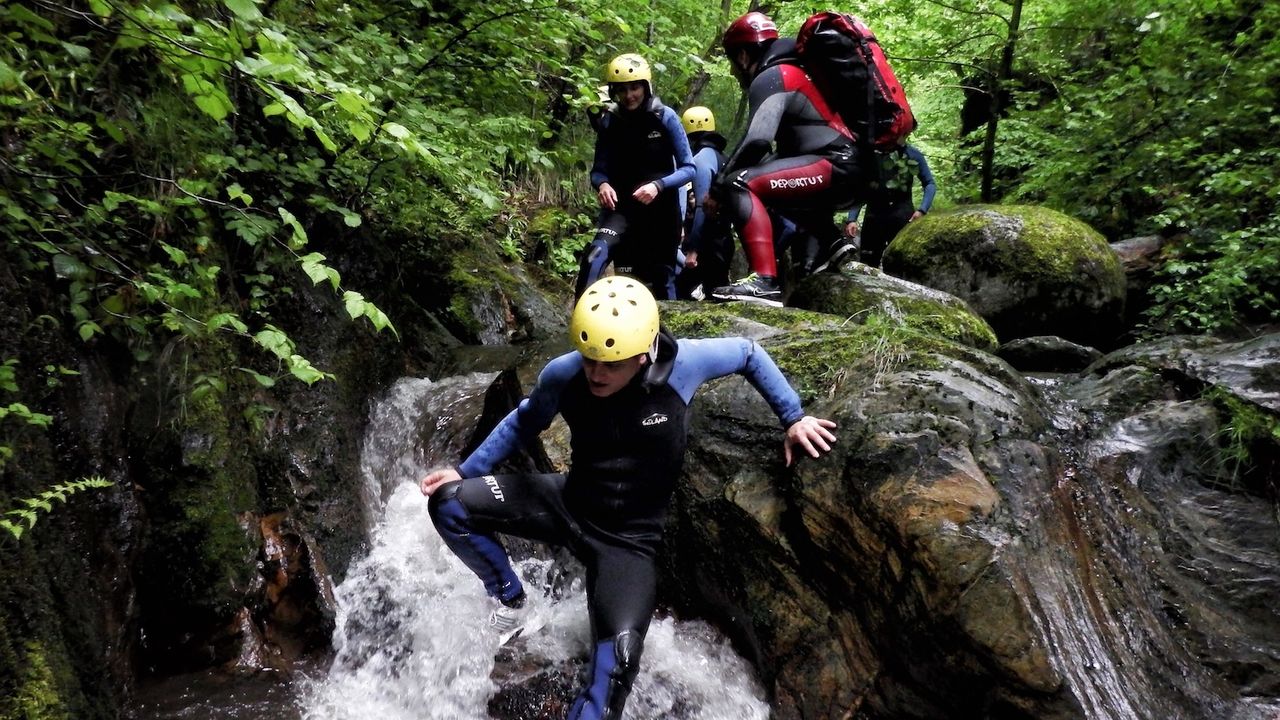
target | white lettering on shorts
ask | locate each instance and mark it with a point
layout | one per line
(494, 487)
(654, 419)
(790, 183)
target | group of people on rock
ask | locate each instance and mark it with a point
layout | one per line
(625, 389)
(795, 167)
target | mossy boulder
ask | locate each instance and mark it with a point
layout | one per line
(1026, 270)
(860, 293)
(495, 303)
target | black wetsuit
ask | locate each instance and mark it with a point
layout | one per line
(632, 149)
(627, 453)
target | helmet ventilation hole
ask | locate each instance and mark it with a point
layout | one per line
(608, 343)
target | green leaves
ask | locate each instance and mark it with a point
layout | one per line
(21, 519)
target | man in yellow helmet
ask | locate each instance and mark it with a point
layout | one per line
(642, 159)
(626, 402)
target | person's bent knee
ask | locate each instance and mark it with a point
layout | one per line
(446, 510)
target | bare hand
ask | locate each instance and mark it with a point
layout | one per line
(691, 259)
(851, 229)
(811, 433)
(646, 193)
(608, 198)
(436, 478)
(915, 216)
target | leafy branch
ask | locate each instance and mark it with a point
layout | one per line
(31, 507)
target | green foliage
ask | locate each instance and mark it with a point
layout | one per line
(27, 515)
(1247, 430)
(1134, 118)
(37, 696)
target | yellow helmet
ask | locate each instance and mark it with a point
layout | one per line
(697, 119)
(615, 319)
(627, 68)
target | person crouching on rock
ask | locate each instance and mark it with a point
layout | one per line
(626, 401)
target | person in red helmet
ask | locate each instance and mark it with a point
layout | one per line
(797, 158)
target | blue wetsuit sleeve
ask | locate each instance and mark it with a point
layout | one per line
(530, 417)
(926, 179)
(704, 169)
(679, 150)
(853, 214)
(701, 360)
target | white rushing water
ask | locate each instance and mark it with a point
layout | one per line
(412, 637)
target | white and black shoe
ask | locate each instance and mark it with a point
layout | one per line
(832, 256)
(508, 618)
(760, 289)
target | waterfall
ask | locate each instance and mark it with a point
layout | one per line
(412, 637)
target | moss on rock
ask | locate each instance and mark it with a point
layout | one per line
(1027, 270)
(861, 293)
(699, 320)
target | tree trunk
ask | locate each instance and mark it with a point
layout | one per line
(1003, 74)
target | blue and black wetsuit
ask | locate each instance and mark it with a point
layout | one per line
(710, 237)
(634, 148)
(890, 206)
(627, 453)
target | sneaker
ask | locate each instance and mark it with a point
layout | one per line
(508, 618)
(754, 288)
(831, 256)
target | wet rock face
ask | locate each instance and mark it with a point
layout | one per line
(977, 546)
(1026, 270)
(1047, 354)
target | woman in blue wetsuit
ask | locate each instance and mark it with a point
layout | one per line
(642, 159)
(625, 394)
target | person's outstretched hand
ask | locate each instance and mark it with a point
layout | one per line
(436, 478)
(811, 433)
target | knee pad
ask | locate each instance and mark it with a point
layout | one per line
(627, 648)
(595, 250)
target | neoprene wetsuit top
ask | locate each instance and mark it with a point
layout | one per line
(628, 448)
(708, 157)
(644, 145)
(912, 163)
(787, 111)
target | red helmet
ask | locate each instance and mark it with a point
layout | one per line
(750, 29)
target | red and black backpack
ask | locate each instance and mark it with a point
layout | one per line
(846, 63)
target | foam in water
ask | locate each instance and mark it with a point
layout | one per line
(412, 638)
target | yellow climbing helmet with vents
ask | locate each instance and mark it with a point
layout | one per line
(629, 67)
(697, 119)
(616, 318)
